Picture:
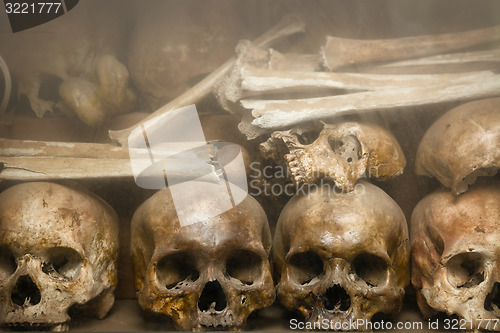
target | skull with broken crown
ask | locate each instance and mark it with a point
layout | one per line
(456, 255)
(342, 256)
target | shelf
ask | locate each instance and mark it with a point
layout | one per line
(126, 316)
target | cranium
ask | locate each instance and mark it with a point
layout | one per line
(344, 153)
(58, 250)
(342, 256)
(456, 255)
(163, 66)
(208, 274)
(462, 145)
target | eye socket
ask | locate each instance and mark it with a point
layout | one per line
(305, 266)
(62, 263)
(465, 270)
(174, 269)
(371, 268)
(244, 265)
(308, 137)
(7, 262)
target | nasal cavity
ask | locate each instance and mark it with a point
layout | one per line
(493, 298)
(336, 299)
(348, 148)
(25, 292)
(212, 297)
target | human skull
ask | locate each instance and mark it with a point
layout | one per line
(342, 256)
(456, 254)
(58, 250)
(206, 275)
(165, 65)
(462, 145)
(344, 153)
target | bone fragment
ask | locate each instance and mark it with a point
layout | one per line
(289, 25)
(228, 91)
(250, 131)
(275, 114)
(294, 62)
(342, 152)
(339, 52)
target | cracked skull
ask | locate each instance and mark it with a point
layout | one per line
(206, 275)
(462, 145)
(456, 255)
(344, 153)
(342, 257)
(58, 250)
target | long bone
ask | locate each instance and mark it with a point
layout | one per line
(442, 63)
(275, 114)
(260, 76)
(289, 25)
(264, 72)
(339, 52)
(37, 160)
(255, 80)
